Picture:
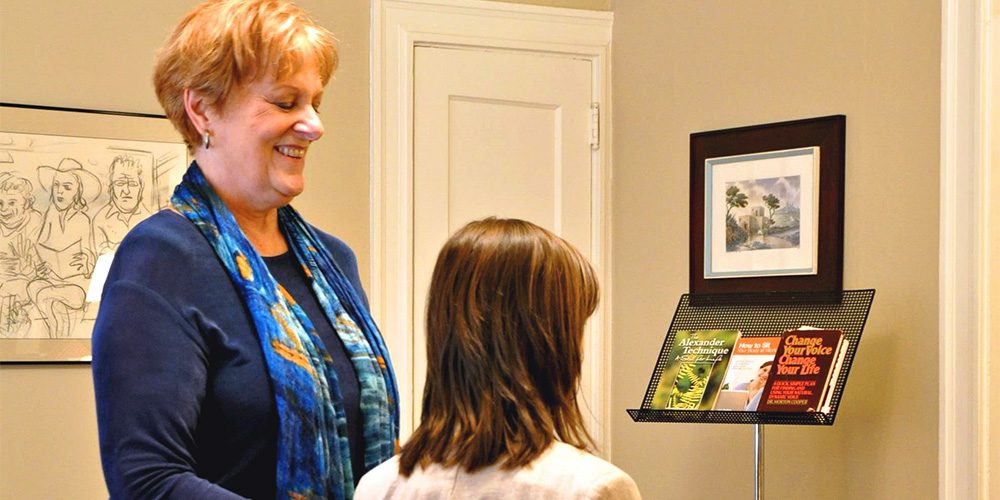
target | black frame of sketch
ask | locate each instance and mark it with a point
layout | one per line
(759, 315)
(828, 133)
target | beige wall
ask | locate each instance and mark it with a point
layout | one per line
(683, 67)
(679, 67)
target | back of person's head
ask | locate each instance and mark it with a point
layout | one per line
(224, 43)
(506, 311)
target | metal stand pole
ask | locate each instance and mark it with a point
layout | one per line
(758, 461)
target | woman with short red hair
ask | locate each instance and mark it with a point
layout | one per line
(234, 354)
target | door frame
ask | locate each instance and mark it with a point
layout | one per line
(398, 26)
(965, 241)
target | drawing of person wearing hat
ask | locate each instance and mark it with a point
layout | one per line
(65, 244)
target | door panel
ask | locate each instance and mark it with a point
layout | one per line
(496, 133)
(497, 169)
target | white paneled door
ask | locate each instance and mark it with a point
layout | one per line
(480, 109)
(496, 133)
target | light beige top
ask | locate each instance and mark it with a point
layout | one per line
(562, 471)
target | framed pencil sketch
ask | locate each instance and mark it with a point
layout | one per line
(72, 183)
(767, 208)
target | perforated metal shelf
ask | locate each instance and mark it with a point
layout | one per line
(761, 315)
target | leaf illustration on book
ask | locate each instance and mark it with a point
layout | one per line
(693, 366)
(689, 385)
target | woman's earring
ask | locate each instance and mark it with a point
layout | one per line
(206, 139)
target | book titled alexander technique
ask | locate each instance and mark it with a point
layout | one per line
(693, 373)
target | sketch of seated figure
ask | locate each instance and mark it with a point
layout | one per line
(19, 227)
(126, 189)
(65, 245)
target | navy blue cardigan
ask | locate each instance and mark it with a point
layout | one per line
(184, 403)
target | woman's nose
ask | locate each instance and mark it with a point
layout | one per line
(310, 126)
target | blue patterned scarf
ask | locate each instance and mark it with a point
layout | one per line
(313, 452)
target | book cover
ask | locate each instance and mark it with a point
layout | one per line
(748, 370)
(802, 370)
(694, 369)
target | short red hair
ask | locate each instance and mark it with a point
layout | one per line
(224, 43)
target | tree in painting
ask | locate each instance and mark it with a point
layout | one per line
(734, 198)
(734, 233)
(772, 203)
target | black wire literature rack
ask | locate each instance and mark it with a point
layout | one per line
(760, 315)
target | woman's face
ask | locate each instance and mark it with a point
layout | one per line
(65, 190)
(261, 136)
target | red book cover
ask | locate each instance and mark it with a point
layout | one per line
(802, 370)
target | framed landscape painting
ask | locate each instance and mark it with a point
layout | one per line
(767, 208)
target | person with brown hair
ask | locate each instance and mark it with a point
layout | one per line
(506, 311)
(234, 355)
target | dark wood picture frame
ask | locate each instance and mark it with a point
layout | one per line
(826, 133)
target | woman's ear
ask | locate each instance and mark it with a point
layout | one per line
(197, 109)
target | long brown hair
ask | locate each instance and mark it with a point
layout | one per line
(506, 310)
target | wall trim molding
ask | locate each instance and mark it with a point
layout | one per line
(963, 433)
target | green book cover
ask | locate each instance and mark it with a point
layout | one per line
(694, 369)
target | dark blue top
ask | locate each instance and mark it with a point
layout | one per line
(184, 402)
(286, 270)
